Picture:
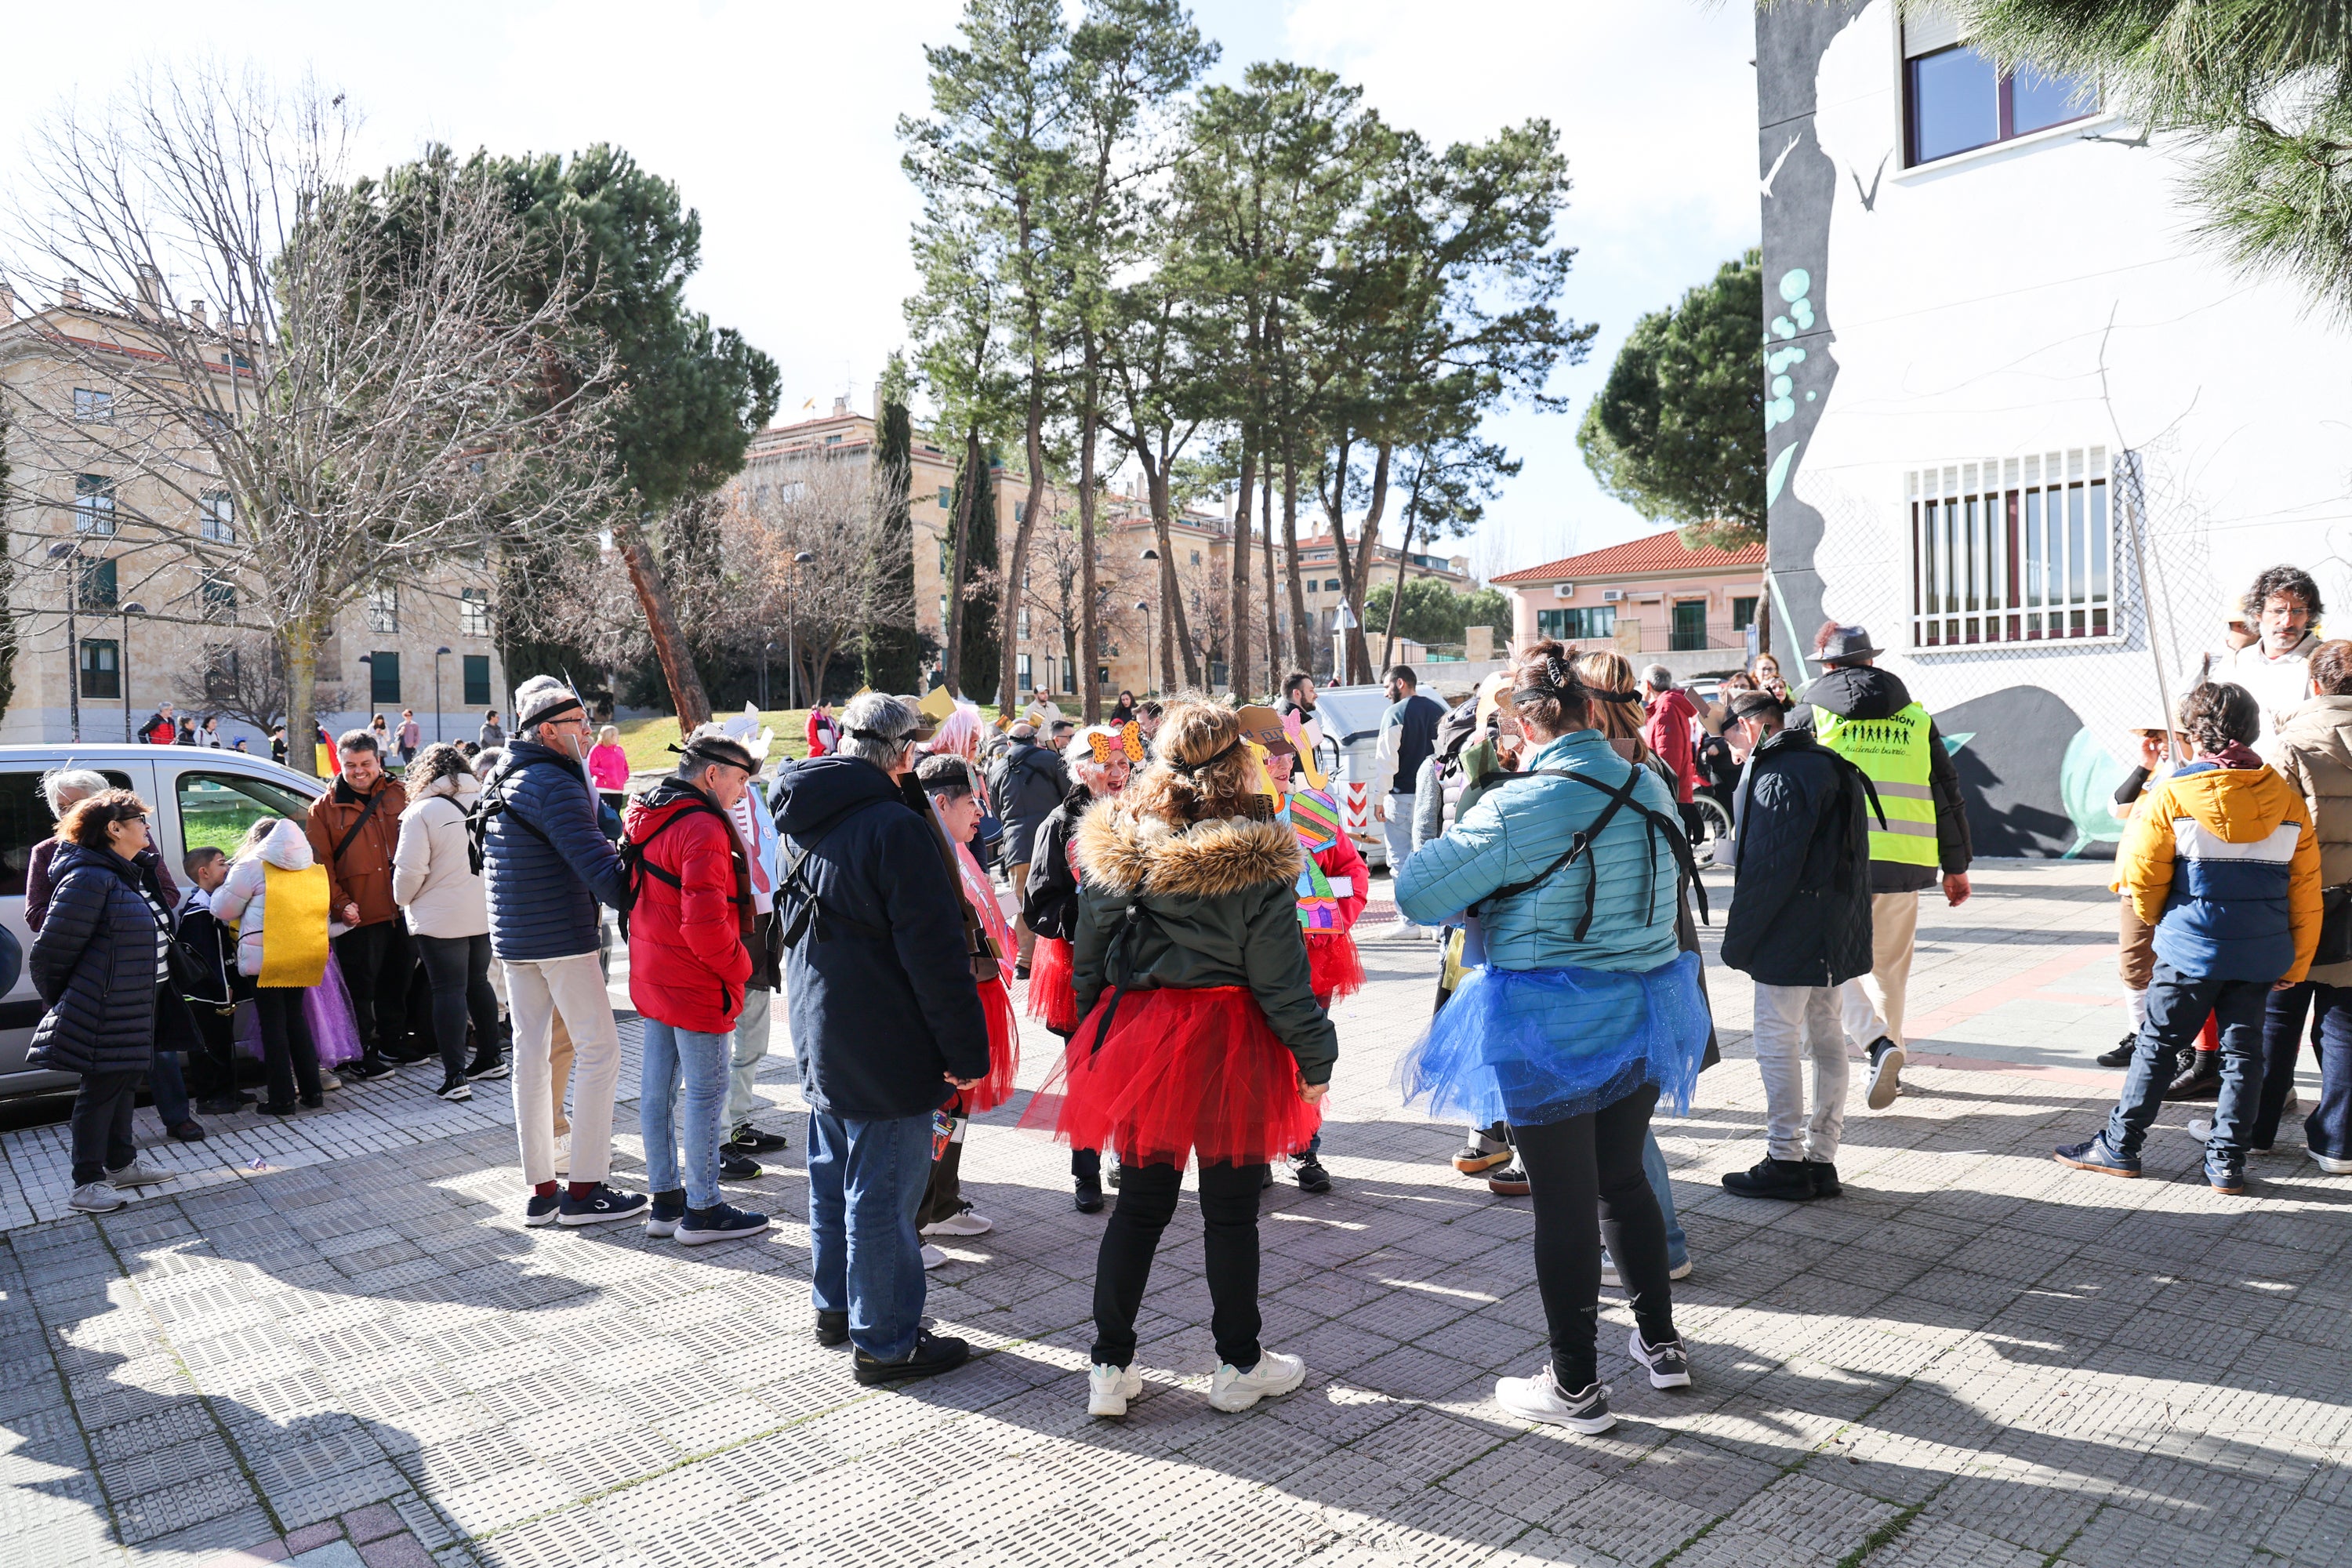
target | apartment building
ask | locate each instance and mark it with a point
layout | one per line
(1653, 599)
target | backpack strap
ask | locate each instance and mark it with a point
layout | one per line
(1656, 824)
(1137, 916)
(811, 915)
(365, 812)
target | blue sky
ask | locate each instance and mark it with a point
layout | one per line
(777, 122)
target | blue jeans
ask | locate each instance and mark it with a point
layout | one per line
(171, 1092)
(2176, 1006)
(1396, 834)
(1654, 1166)
(865, 1180)
(700, 1060)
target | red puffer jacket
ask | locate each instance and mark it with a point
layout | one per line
(687, 962)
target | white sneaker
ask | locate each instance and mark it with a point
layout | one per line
(2202, 1129)
(1668, 1364)
(95, 1198)
(1885, 1077)
(971, 1222)
(2328, 1163)
(932, 1257)
(135, 1174)
(328, 1080)
(1538, 1398)
(563, 1153)
(1108, 1388)
(1275, 1374)
(1609, 1271)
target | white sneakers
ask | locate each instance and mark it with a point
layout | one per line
(95, 1198)
(933, 1257)
(2330, 1165)
(1108, 1388)
(1275, 1374)
(1668, 1364)
(971, 1222)
(1540, 1398)
(135, 1174)
(1609, 1271)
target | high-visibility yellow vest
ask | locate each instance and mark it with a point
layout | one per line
(1894, 753)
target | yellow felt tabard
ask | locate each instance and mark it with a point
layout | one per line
(294, 926)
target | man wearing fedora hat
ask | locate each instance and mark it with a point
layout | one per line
(1867, 715)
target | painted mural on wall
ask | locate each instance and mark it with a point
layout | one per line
(1908, 331)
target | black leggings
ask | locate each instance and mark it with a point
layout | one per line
(1573, 1167)
(287, 1050)
(460, 970)
(1147, 1201)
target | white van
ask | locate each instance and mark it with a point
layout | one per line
(1350, 719)
(199, 796)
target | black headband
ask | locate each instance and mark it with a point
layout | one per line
(716, 749)
(879, 738)
(550, 715)
(1628, 697)
(1195, 769)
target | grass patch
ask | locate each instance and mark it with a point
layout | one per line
(647, 741)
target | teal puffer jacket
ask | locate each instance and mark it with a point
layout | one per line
(1517, 828)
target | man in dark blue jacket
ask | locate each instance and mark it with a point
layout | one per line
(1028, 783)
(886, 1023)
(548, 857)
(1800, 927)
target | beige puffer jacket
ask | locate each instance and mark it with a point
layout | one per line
(2315, 747)
(432, 876)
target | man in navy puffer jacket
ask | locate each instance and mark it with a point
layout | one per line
(549, 860)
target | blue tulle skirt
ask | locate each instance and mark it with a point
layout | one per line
(1536, 1046)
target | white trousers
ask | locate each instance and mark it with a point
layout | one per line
(1794, 1023)
(1874, 1003)
(750, 1049)
(538, 990)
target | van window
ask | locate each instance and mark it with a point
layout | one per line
(216, 809)
(25, 821)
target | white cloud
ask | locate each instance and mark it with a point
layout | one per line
(777, 122)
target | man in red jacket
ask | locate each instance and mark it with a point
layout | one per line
(1667, 731)
(688, 968)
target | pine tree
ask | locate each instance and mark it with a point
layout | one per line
(983, 645)
(893, 655)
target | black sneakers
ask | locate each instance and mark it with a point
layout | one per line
(832, 1329)
(1825, 1178)
(933, 1355)
(1792, 1180)
(2201, 1077)
(455, 1087)
(482, 1067)
(601, 1204)
(719, 1222)
(738, 1167)
(2122, 1055)
(1511, 1182)
(1089, 1198)
(749, 1140)
(369, 1069)
(1312, 1176)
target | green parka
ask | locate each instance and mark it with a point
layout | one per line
(1220, 907)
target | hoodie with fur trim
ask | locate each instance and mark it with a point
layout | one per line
(1221, 905)
(2224, 863)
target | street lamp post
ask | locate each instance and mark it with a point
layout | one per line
(122, 664)
(766, 649)
(1343, 621)
(1145, 605)
(438, 654)
(1150, 647)
(70, 552)
(792, 631)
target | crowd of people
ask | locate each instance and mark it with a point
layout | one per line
(1179, 906)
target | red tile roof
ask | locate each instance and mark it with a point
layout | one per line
(1654, 553)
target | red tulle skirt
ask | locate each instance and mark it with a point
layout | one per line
(1334, 968)
(1179, 1073)
(1050, 995)
(1003, 1049)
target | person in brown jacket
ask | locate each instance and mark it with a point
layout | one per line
(354, 830)
(2315, 748)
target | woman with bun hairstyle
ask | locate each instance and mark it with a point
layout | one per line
(1199, 1036)
(1583, 1015)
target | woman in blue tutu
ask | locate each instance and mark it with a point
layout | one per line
(1582, 1017)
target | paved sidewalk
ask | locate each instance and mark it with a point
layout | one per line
(356, 1354)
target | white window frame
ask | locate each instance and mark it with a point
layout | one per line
(384, 607)
(473, 612)
(2011, 551)
(216, 518)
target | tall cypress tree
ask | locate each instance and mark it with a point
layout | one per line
(983, 643)
(893, 657)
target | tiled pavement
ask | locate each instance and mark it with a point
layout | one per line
(356, 1354)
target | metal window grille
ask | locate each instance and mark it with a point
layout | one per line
(474, 612)
(2014, 550)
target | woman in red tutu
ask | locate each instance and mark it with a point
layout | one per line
(1332, 887)
(956, 808)
(1199, 1036)
(1100, 757)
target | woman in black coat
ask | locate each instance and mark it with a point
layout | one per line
(99, 963)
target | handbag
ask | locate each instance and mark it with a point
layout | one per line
(2335, 924)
